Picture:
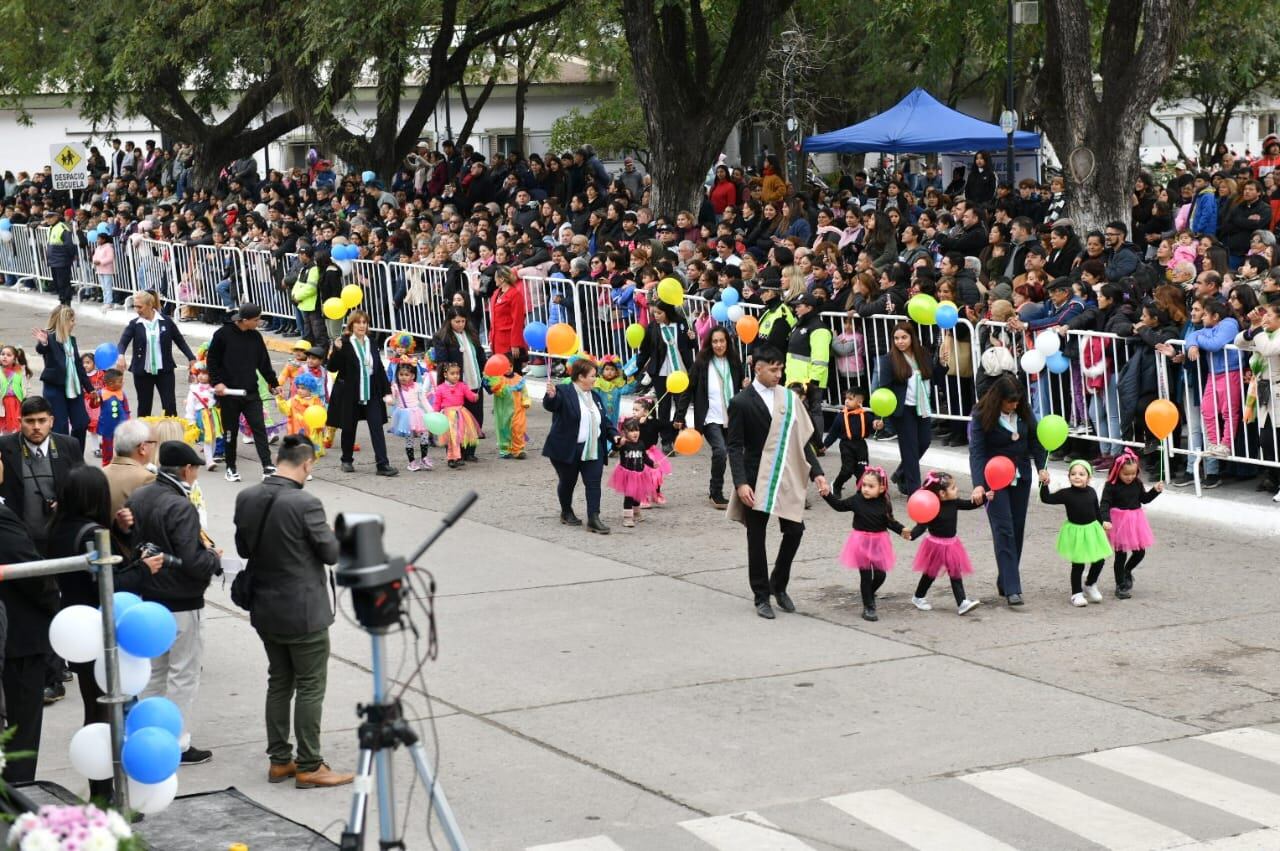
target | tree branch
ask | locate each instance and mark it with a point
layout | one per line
(701, 41)
(1182, 154)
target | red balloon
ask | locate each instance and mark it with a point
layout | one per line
(923, 506)
(497, 366)
(999, 473)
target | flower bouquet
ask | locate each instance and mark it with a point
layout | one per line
(72, 828)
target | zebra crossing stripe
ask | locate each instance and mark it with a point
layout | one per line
(1189, 781)
(1084, 815)
(591, 843)
(1267, 839)
(1249, 741)
(743, 832)
(913, 823)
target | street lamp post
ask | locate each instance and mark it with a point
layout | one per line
(1009, 119)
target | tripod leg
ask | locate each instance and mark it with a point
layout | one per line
(353, 836)
(386, 798)
(447, 821)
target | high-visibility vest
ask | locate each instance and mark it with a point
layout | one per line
(809, 352)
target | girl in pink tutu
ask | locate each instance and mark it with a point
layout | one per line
(868, 549)
(650, 433)
(632, 477)
(942, 552)
(451, 397)
(1124, 519)
(408, 414)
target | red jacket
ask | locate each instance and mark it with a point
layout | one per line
(723, 194)
(506, 319)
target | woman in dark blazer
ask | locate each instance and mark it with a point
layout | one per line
(717, 373)
(909, 371)
(63, 375)
(1002, 425)
(656, 361)
(359, 393)
(572, 457)
(150, 327)
(457, 342)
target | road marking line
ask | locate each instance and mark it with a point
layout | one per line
(1267, 839)
(1189, 781)
(1084, 815)
(743, 832)
(1249, 741)
(909, 821)
(590, 843)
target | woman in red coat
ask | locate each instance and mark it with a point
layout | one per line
(724, 192)
(506, 317)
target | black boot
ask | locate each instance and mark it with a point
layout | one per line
(567, 517)
(596, 525)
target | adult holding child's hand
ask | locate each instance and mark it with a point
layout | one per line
(578, 441)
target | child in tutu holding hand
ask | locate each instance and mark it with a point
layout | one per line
(1125, 520)
(632, 477)
(943, 552)
(650, 432)
(451, 396)
(868, 549)
(1082, 540)
(408, 416)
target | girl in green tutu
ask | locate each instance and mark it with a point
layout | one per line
(1082, 540)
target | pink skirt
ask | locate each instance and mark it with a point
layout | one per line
(1130, 530)
(661, 464)
(942, 555)
(637, 484)
(867, 550)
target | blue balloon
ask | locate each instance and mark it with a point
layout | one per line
(147, 630)
(340, 253)
(105, 356)
(946, 316)
(5, 224)
(158, 712)
(348, 252)
(535, 336)
(720, 312)
(368, 176)
(729, 296)
(151, 754)
(123, 602)
(1058, 363)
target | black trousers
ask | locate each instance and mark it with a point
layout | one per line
(146, 385)
(232, 408)
(569, 472)
(957, 588)
(853, 460)
(762, 583)
(869, 582)
(317, 332)
(715, 435)
(24, 710)
(666, 409)
(1077, 573)
(61, 283)
(374, 414)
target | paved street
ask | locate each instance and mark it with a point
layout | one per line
(619, 692)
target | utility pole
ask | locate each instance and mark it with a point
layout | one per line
(1009, 120)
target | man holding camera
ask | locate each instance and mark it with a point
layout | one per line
(166, 521)
(282, 534)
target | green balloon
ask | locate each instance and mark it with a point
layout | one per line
(1052, 432)
(883, 402)
(923, 308)
(635, 335)
(436, 422)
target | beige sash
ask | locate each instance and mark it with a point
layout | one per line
(784, 471)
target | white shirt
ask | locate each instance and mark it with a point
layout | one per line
(910, 397)
(717, 404)
(766, 394)
(39, 448)
(585, 404)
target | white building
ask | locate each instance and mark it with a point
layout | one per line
(1245, 130)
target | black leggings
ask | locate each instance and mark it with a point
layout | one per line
(957, 588)
(1125, 563)
(1077, 571)
(871, 580)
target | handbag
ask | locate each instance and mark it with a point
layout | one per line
(242, 585)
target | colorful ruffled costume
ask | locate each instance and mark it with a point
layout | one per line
(510, 401)
(13, 389)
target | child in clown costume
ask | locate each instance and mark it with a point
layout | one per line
(613, 384)
(202, 409)
(510, 401)
(295, 367)
(307, 390)
(275, 422)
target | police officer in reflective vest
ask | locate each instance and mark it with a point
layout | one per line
(808, 359)
(777, 320)
(61, 254)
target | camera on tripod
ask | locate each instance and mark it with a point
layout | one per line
(377, 582)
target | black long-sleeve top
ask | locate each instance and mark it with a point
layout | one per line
(1081, 503)
(633, 457)
(1125, 497)
(851, 426)
(869, 515)
(944, 525)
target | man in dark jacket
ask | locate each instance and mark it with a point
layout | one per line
(1120, 256)
(282, 533)
(237, 356)
(165, 517)
(61, 254)
(972, 237)
(1252, 213)
(35, 463)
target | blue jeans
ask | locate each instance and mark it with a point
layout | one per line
(69, 415)
(714, 433)
(223, 288)
(1106, 417)
(107, 282)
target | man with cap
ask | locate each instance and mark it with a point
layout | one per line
(61, 254)
(164, 517)
(808, 357)
(777, 320)
(237, 356)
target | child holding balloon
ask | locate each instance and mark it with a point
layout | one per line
(451, 397)
(935, 509)
(1124, 518)
(510, 402)
(410, 407)
(633, 476)
(650, 431)
(1083, 538)
(868, 549)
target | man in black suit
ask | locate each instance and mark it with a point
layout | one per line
(30, 605)
(751, 415)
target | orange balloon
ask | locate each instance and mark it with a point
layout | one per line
(748, 328)
(688, 441)
(561, 339)
(1162, 418)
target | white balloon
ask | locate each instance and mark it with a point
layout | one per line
(1048, 343)
(76, 634)
(1032, 361)
(153, 797)
(134, 673)
(91, 751)
(6, 236)
(344, 265)
(736, 312)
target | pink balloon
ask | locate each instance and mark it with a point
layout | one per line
(923, 506)
(999, 473)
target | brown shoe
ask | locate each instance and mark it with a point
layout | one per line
(281, 773)
(323, 776)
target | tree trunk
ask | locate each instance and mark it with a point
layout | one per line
(522, 95)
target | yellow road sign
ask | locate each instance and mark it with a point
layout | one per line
(68, 158)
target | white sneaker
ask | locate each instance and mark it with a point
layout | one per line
(922, 604)
(1276, 498)
(1220, 450)
(231, 475)
(1092, 592)
(968, 606)
(1079, 601)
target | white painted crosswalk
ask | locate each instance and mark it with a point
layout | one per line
(1238, 801)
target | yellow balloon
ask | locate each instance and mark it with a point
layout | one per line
(315, 416)
(352, 295)
(334, 308)
(670, 291)
(677, 382)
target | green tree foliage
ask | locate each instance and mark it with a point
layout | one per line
(613, 124)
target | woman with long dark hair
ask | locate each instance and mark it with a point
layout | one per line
(667, 347)
(1002, 425)
(457, 342)
(714, 378)
(881, 242)
(907, 369)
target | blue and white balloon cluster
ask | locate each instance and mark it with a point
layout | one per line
(151, 751)
(727, 309)
(343, 254)
(6, 230)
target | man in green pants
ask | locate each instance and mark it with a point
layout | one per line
(282, 534)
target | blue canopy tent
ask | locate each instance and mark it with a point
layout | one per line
(919, 124)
